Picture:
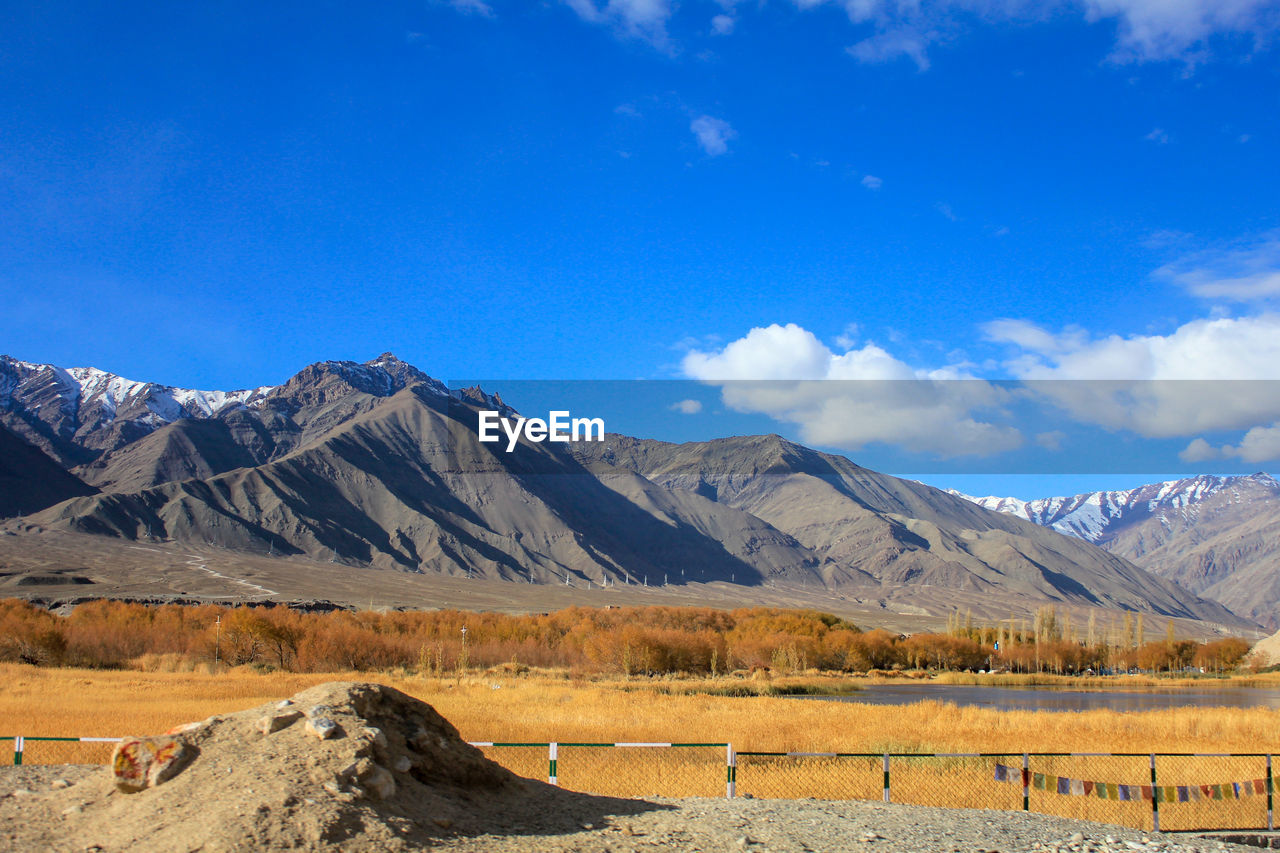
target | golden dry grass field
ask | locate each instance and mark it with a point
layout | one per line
(47, 701)
(541, 708)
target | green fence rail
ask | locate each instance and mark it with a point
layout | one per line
(61, 750)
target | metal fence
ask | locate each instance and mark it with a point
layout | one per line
(1161, 791)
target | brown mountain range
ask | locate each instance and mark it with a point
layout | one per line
(378, 465)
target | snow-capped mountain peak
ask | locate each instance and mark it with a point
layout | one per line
(1093, 515)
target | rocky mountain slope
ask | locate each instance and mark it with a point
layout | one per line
(869, 527)
(379, 465)
(1216, 536)
(81, 415)
(30, 480)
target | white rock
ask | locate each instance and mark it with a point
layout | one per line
(322, 727)
(276, 722)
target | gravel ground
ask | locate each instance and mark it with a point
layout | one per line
(821, 825)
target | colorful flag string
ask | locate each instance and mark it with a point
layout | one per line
(1114, 791)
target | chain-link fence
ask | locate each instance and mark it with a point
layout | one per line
(621, 769)
(1168, 791)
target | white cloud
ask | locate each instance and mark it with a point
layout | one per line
(853, 398)
(713, 134)
(722, 25)
(1243, 273)
(1260, 444)
(871, 182)
(891, 45)
(1199, 450)
(1145, 30)
(687, 407)
(1193, 380)
(946, 211)
(1174, 29)
(1029, 336)
(1222, 348)
(848, 338)
(1159, 136)
(472, 7)
(644, 19)
(1051, 440)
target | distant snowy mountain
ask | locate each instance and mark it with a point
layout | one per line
(78, 414)
(1217, 536)
(1096, 516)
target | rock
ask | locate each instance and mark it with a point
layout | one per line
(70, 810)
(1076, 838)
(442, 822)
(319, 711)
(184, 728)
(170, 758)
(375, 735)
(373, 779)
(130, 762)
(379, 782)
(139, 763)
(59, 784)
(402, 764)
(276, 722)
(322, 727)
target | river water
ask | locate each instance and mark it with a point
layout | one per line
(1063, 699)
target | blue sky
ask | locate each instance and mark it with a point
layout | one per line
(215, 195)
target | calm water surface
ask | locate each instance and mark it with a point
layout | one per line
(1064, 699)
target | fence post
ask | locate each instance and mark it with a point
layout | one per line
(886, 777)
(1270, 787)
(17, 750)
(1026, 782)
(552, 751)
(731, 772)
(1155, 797)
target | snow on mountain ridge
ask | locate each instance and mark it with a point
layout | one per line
(1089, 516)
(79, 389)
(165, 402)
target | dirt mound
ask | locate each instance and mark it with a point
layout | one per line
(1267, 650)
(392, 775)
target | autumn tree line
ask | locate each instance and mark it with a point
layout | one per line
(622, 641)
